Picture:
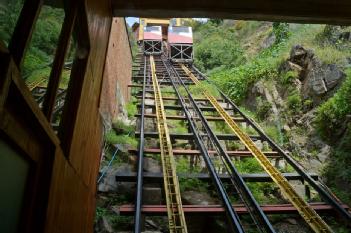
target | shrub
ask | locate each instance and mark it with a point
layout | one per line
(248, 165)
(112, 138)
(216, 46)
(274, 133)
(308, 103)
(120, 127)
(263, 108)
(288, 77)
(294, 102)
(331, 115)
(262, 191)
(236, 82)
(197, 90)
(131, 109)
(338, 169)
(281, 32)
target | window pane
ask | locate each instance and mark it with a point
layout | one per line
(65, 78)
(9, 13)
(13, 176)
(41, 51)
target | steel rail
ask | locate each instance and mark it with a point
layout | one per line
(253, 207)
(232, 216)
(139, 193)
(307, 213)
(175, 211)
(317, 185)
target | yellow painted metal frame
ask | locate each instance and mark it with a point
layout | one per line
(307, 213)
(150, 21)
(175, 211)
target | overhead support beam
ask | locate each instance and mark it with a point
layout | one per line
(299, 11)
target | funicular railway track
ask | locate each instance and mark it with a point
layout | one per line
(175, 211)
(209, 146)
(307, 213)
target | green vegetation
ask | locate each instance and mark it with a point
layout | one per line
(9, 13)
(236, 81)
(216, 47)
(193, 183)
(248, 165)
(131, 107)
(332, 114)
(263, 192)
(121, 133)
(338, 169)
(120, 127)
(263, 108)
(112, 138)
(294, 102)
(105, 211)
(39, 56)
(252, 63)
(197, 90)
(177, 126)
(288, 77)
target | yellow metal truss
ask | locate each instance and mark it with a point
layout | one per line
(306, 212)
(175, 211)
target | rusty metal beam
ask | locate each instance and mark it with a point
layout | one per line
(152, 177)
(269, 154)
(159, 210)
(188, 136)
(177, 107)
(177, 117)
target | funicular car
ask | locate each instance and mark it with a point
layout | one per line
(180, 44)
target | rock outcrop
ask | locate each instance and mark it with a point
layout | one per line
(109, 183)
(318, 80)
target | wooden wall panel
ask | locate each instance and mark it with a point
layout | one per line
(73, 186)
(86, 144)
(71, 201)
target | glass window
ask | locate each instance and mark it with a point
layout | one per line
(13, 177)
(9, 13)
(152, 29)
(180, 29)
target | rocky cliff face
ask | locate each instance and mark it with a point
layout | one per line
(316, 80)
(313, 83)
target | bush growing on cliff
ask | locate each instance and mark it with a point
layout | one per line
(332, 114)
(236, 82)
(294, 103)
(216, 45)
(217, 51)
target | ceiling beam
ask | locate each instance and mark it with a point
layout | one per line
(300, 11)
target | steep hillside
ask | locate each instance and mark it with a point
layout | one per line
(294, 80)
